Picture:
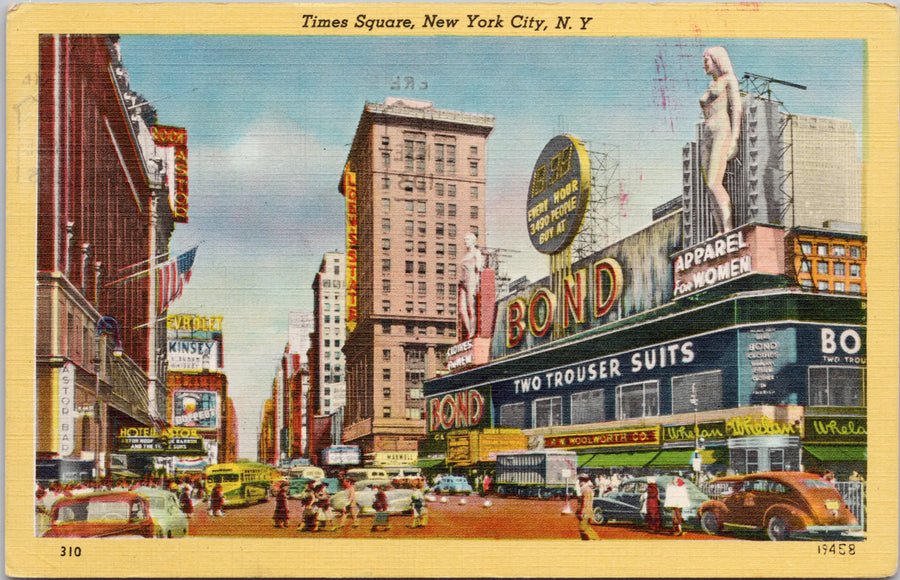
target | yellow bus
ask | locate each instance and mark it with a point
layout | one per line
(242, 483)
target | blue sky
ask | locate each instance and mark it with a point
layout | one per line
(270, 120)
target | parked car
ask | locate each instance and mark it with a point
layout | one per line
(624, 504)
(101, 515)
(298, 484)
(453, 484)
(399, 500)
(165, 511)
(784, 504)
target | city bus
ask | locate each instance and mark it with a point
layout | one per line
(242, 483)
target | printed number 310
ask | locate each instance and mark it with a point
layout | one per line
(70, 551)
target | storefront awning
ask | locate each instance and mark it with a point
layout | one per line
(837, 452)
(636, 459)
(682, 457)
(429, 463)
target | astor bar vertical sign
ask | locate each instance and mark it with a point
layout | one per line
(352, 245)
(174, 140)
(66, 409)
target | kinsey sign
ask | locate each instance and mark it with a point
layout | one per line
(588, 292)
(174, 141)
(467, 408)
(559, 193)
(607, 438)
(185, 354)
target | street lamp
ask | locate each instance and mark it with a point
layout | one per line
(106, 325)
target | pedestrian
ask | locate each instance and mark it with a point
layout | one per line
(417, 501)
(584, 511)
(677, 499)
(307, 506)
(487, 484)
(217, 502)
(281, 508)
(829, 477)
(650, 505)
(187, 506)
(380, 505)
(352, 508)
(322, 504)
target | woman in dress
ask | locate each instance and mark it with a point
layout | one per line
(721, 105)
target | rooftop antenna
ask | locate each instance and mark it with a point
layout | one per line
(762, 84)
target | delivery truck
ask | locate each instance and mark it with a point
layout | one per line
(539, 474)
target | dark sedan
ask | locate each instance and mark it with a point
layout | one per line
(624, 504)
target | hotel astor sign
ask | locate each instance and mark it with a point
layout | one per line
(558, 195)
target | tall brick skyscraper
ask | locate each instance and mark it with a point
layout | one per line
(415, 184)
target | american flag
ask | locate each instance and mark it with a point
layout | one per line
(171, 277)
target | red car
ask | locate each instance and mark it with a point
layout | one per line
(782, 503)
(101, 515)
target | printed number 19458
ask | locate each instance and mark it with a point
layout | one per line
(837, 549)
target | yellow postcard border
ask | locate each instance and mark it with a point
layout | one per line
(877, 24)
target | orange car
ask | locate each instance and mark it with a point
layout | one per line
(782, 503)
(101, 515)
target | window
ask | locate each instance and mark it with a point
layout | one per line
(822, 267)
(326, 284)
(423, 306)
(421, 267)
(452, 250)
(409, 227)
(386, 354)
(385, 305)
(409, 245)
(386, 244)
(822, 249)
(439, 308)
(409, 266)
(473, 168)
(386, 159)
(386, 392)
(423, 228)
(423, 288)
(840, 269)
(440, 289)
(385, 140)
(439, 208)
(439, 249)
(451, 271)
(386, 224)
(386, 182)
(439, 229)
(386, 205)
(855, 270)
(386, 374)
(451, 190)
(409, 286)
(855, 288)
(822, 285)
(414, 414)
(839, 251)
(705, 386)
(451, 210)
(806, 283)
(806, 247)
(423, 247)
(473, 212)
(474, 230)
(414, 153)
(473, 192)
(439, 268)
(805, 266)
(587, 407)
(513, 415)
(385, 264)
(451, 160)
(439, 189)
(637, 400)
(836, 386)
(410, 205)
(327, 342)
(547, 412)
(421, 206)
(451, 230)
(386, 412)
(327, 318)
(410, 329)
(855, 252)
(839, 287)
(409, 306)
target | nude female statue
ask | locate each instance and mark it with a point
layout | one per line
(469, 280)
(721, 105)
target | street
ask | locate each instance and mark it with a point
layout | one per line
(505, 518)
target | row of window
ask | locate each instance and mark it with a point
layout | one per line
(441, 287)
(421, 227)
(440, 208)
(836, 286)
(420, 187)
(411, 267)
(440, 249)
(827, 387)
(832, 268)
(444, 157)
(440, 309)
(327, 283)
(838, 250)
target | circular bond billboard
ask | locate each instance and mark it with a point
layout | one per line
(558, 194)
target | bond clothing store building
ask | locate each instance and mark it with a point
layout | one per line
(746, 349)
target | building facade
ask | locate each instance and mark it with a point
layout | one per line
(102, 212)
(329, 335)
(415, 187)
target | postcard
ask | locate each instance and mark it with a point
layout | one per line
(452, 290)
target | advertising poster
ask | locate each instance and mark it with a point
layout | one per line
(601, 277)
